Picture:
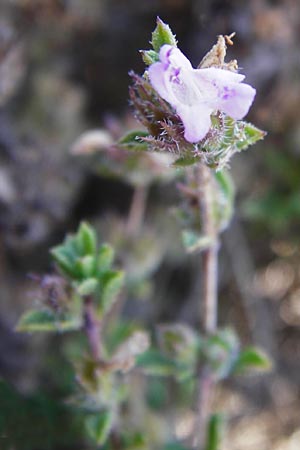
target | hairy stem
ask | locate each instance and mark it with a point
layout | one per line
(92, 328)
(209, 255)
(208, 303)
(209, 296)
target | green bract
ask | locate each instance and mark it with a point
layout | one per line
(161, 35)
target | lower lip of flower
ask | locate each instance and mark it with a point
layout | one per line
(227, 93)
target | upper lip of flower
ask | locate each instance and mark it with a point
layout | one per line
(196, 93)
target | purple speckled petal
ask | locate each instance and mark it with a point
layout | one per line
(159, 78)
(169, 54)
(233, 97)
(237, 99)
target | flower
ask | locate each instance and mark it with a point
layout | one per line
(196, 93)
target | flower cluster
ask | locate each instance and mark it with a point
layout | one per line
(193, 112)
(197, 93)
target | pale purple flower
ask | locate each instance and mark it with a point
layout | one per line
(196, 93)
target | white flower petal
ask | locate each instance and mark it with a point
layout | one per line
(220, 76)
(196, 121)
(238, 103)
(159, 78)
(169, 54)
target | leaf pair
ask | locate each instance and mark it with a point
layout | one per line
(89, 270)
(89, 267)
(181, 349)
(223, 354)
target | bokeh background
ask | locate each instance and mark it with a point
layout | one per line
(64, 70)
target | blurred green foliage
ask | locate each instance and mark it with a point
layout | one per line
(37, 421)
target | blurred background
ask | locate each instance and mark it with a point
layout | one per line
(64, 70)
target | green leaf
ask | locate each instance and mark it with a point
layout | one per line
(112, 283)
(251, 135)
(230, 136)
(63, 260)
(179, 342)
(252, 358)
(162, 35)
(46, 320)
(155, 363)
(221, 351)
(149, 57)
(133, 140)
(240, 135)
(225, 183)
(186, 161)
(82, 244)
(224, 207)
(88, 286)
(193, 241)
(99, 426)
(86, 266)
(214, 432)
(70, 248)
(105, 257)
(86, 239)
(118, 333)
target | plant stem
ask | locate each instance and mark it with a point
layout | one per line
(137, 209)
(210, 254)
(92, 328)
(209, 304)
(209, 296)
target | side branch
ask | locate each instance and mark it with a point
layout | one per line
(137, 210)
(92, 329)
